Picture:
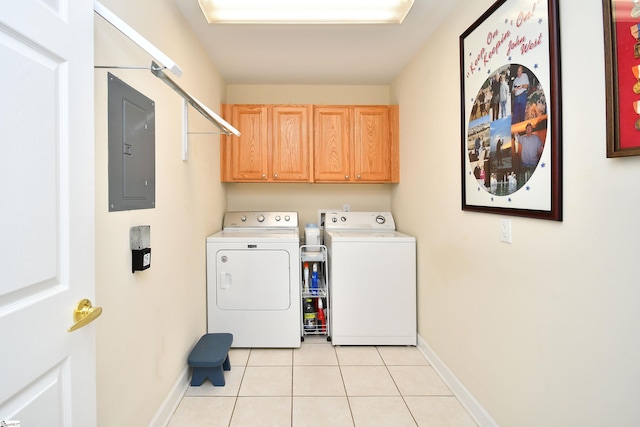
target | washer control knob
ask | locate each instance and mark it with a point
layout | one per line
(343, 218)
(243, 218)
(277, 217)
(260, 218)
(380, 219)
(334, 219)
(287, 217)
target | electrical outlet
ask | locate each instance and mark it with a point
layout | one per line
(505, 230)
(346, 208)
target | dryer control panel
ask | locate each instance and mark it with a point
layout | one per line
(260, 220)
(359, 221)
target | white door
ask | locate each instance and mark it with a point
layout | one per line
(47, 374)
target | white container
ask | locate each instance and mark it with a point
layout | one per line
(312, 237)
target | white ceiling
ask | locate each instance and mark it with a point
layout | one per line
(368, 54)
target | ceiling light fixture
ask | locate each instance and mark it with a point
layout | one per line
(305, 11)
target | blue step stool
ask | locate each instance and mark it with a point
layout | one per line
(209, 358)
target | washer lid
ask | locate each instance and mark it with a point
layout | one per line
(369, 236)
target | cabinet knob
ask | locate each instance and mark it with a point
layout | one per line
(264, 176)
(358, 176)
(346, 177)
(275, 175)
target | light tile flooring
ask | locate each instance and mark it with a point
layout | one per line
(322, 385)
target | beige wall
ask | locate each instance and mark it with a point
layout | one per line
(544, 331)
(306, 199)
(152, 318)
(307, 94)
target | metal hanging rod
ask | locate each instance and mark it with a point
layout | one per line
(124, 67)
(136, 37)
(220, 123)
(156, 69)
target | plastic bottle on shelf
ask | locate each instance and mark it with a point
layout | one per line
(306, 277)
(321, 317)
(310, 316)
(312, 237)
(314, 279)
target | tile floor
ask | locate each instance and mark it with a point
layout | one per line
(322, 385)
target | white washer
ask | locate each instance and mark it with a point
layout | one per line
(372, 277)
(253, 271)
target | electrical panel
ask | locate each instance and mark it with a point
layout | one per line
(132, 172)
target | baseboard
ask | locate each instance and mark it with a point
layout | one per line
(475, 409)
(171, 402)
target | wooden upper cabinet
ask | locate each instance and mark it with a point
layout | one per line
(356, 144)
(273, 144)
(332, 144)
(290, 143)
(373, 144)
(249, 152)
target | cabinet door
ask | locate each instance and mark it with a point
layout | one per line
(372, 144)
(249, 152)
(332, 144)
(290, 143)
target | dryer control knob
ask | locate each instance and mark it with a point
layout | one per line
(343, 218)
(334, 219)
(380, 219)
(277, 217)
(243, 218)
(287, 218)
(260, 218)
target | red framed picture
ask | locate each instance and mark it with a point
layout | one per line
(622, 67)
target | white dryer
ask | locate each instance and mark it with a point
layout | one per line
(372, 277)
(253, 271)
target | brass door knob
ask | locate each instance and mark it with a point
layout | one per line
(84, 314)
